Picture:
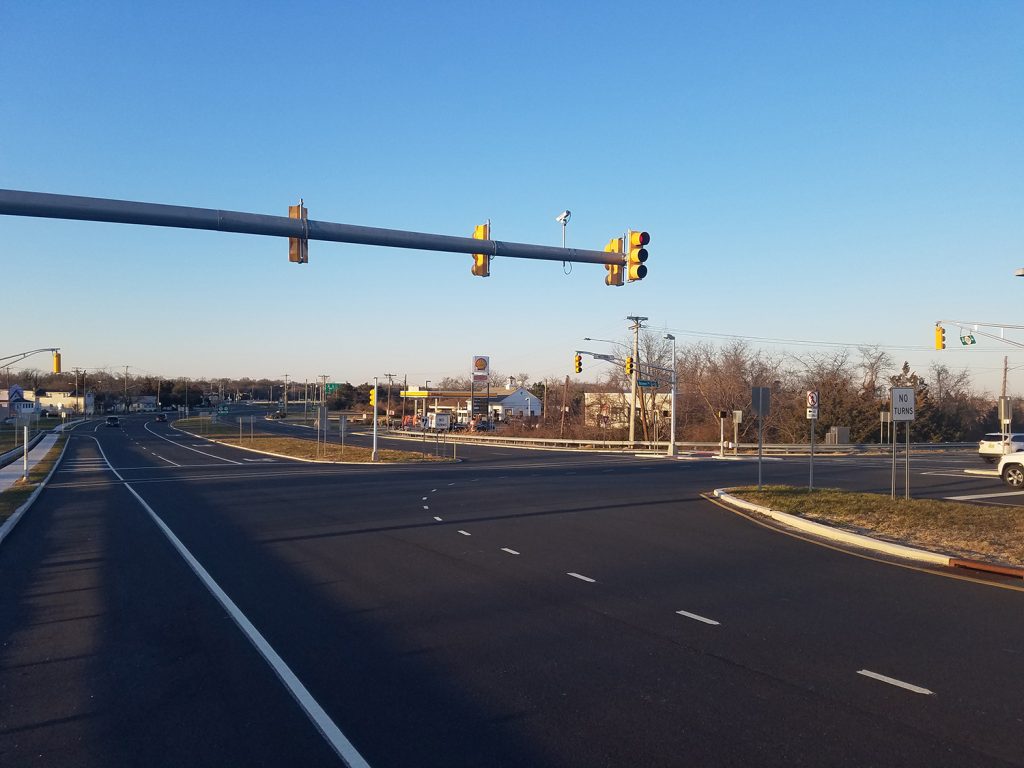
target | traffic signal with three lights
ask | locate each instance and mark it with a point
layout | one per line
(940, 337)
(614, 276)
(373, 397)
(298, 247)
(636, 255)
(482, 261)
(629, 366)
(578, 361)
(56, 362)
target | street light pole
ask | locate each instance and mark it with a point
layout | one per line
(672, 434)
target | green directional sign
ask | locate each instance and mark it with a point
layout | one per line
(647, 383)
(332, 387)
(968, 340)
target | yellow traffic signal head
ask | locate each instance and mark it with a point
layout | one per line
(940, 337)
(56, 362)
(373, 396)
(629, 366)
(636, 255)
(614, 276)
(481, 261)
(578, 360)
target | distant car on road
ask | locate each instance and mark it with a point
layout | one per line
(276, 415)
(1011, 469)
(995, 444)
(113, 421)
(161, 417)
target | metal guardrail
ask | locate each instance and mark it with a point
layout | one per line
(681, 447)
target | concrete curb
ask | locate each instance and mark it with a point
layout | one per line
(12, 521)
(828, 532)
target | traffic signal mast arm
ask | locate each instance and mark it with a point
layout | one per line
(975, 330)
(51, 206)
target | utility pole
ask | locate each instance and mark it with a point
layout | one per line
(391, 377)
(126, 390)
(286, 394)
(637, 325)
(565, 395)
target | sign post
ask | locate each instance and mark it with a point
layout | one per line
(760, 399)
(902, 409)
(737, 419)
(812, 416)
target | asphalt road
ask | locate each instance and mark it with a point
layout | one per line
(522, 608)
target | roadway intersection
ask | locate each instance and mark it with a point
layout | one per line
(518, 608)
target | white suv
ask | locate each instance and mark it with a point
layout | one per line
(996, 444)
(1011, 469)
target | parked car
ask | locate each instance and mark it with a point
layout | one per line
(996, 444)
(1011, 469)
(113, 421)
(161, 417)
(276, 415)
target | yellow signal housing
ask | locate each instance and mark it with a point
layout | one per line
(373, 397)
(56, 362)
(636, 255)
(629, 366)
(578, 361)
(298, 247)
(940, 337)
(482, 261)
(614, 276)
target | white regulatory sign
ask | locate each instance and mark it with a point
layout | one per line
(812, 413)
(902, 403)
(812, 399)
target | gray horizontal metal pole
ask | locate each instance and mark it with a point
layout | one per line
(45, 205)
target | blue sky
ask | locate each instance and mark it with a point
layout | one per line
(840, 172)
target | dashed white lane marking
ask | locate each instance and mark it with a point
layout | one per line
(167, 460)
(437, 518)
(894, 681)
(424, 498)
(425, 506)
(510, 551)
(451, 483)
(697, 618)
(433, 490)
(465, 533)
(581, 578)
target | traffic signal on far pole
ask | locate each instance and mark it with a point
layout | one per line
(637, 254)
(482, 261)
(298, 247)
(56, 362)
(614, 276)
(373, 397)
(940, 337)
(629, 366)
(578, 360)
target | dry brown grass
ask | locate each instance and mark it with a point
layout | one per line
(973, 531)
(295, 447)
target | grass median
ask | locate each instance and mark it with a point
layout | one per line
(294, 447)
(18, 494)
(972, 531)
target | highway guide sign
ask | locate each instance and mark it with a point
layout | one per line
(902, 403)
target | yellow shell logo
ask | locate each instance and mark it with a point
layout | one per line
(480, 363)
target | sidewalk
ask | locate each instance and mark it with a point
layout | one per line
(10, 474)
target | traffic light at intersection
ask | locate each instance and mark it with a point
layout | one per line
(637, 254)
(578, 361)
(482, 261)
(940, 337)
(629, 366)
(298, 247)
(56, 362)
(614, 276)
(373, 397)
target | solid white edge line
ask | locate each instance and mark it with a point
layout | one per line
(698, 618)
(510, 551)
(894, 681)
(341, 745)
(581, 578)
